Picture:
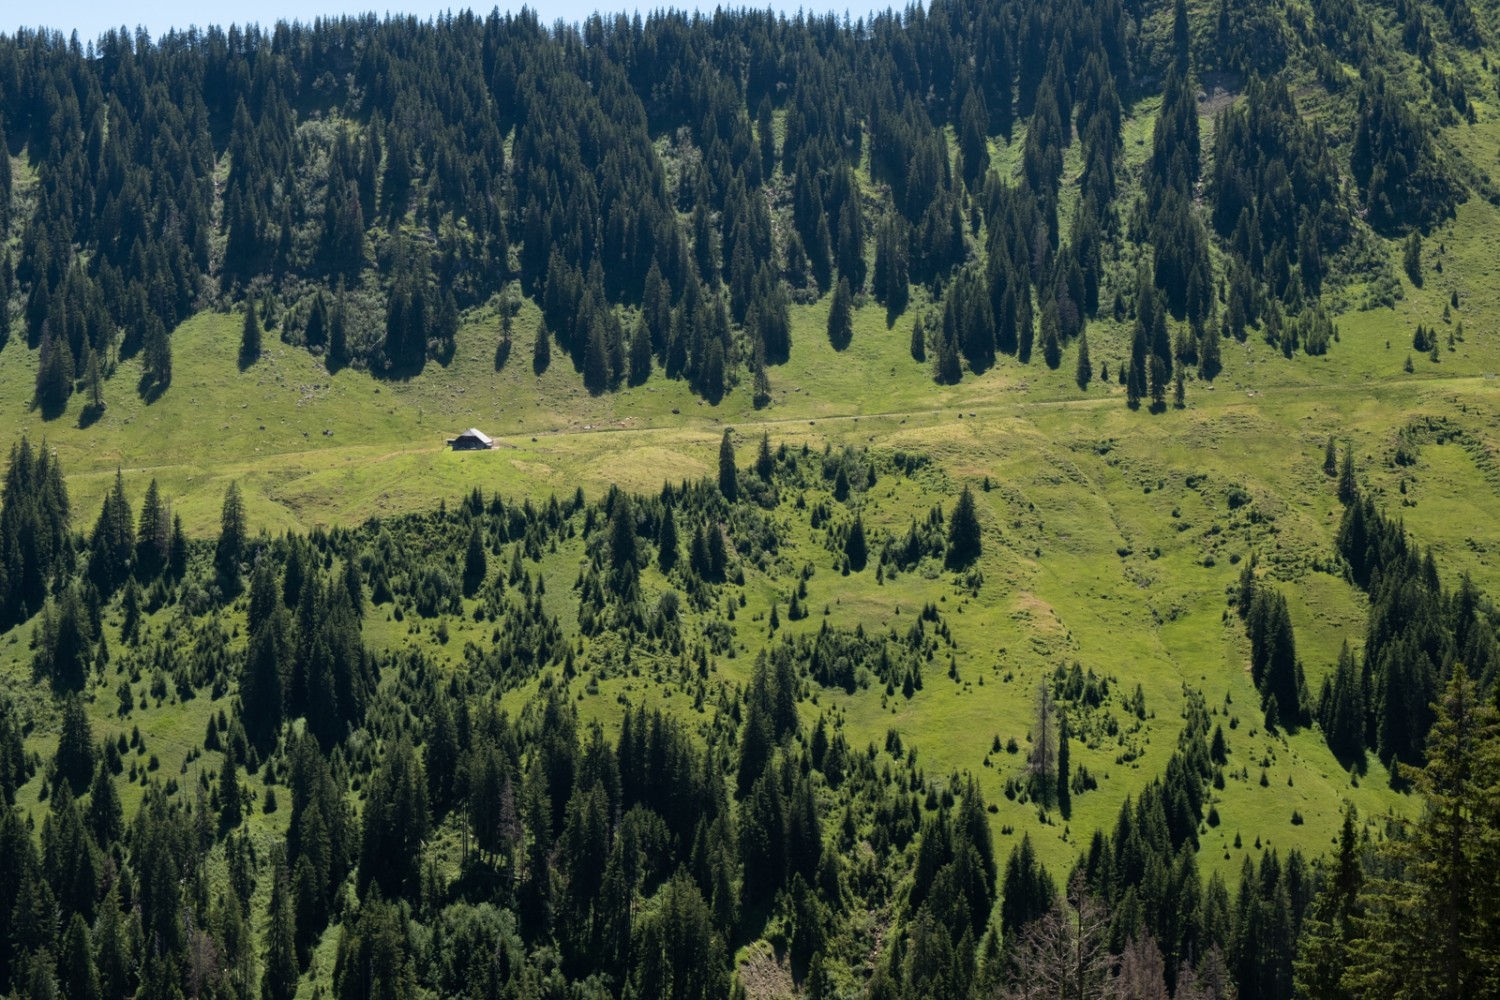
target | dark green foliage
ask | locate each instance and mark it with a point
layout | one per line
(1394, 161)
(113, 543)
(729, 486)
(395, 823)
(1026, 892)
(15, 767)
(841, 316)
(250, 335)
(1274, 666)
(65, 650)
(476, 562)
(375, 960)
(279, 971)
(1274, 187)
(856, 550)
(233, 535)
(1411, 259)
(74, 760)
(34, 530)
(964, 543)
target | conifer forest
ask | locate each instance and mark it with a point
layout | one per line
(991, 500)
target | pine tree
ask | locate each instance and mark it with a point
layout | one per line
(841, 316)
(1084, 373)
(1429, 927)
(1348, 484)
(1330, 458)
(111, 950)
(595, 361)
(666, 540)
(1411, 258)
(279, 979)
(74, 759)
(765, 465)
(964, 543)
(729, 484)
(855, 548)
(640, 353)
(338, 331)
(230, 551)
(918, 342)
(541, 350)
(231, 809)
(1064, 766)
(476, 562)
(94, 383)
(1135, 376)
(177, 549)
(250, 335)
(315, 332)
(105, 818)
(80, 976)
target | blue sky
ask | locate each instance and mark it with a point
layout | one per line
(90, 18)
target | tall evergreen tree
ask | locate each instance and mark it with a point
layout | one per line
(729, 477)
(250, 335)
(279, 978)
(233, 535)
(964, 543)
(841, 316)
(1084, 372)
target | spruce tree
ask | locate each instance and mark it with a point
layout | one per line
(1411, 258)
(80, 975)
(94, 383)
(963, 532)
(1135, 376)
(729, 483)
(841, 316)
(1084, 373)
(1429, 929)
(855, 547)
(541, 349)
(338, 332)
(250, 335)
(640, 352)
(666, 540)
(230, 550)
(1064, 766)
(74, 759)
(231, 808)
(764, 464)
(595, 362)
(1348, 484)
(106, 820)
(918, 342)
(476, 562)
(279, 979)
(1331, 925)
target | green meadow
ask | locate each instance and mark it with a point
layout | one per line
(1112, 537)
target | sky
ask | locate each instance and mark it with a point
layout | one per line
(91, 18)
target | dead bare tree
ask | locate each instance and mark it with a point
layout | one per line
(1143, 974)
(1064, 955)
(1044, 745)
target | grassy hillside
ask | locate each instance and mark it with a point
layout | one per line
(1114, 538)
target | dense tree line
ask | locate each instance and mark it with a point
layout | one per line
(664, 187)
(1418, 633)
